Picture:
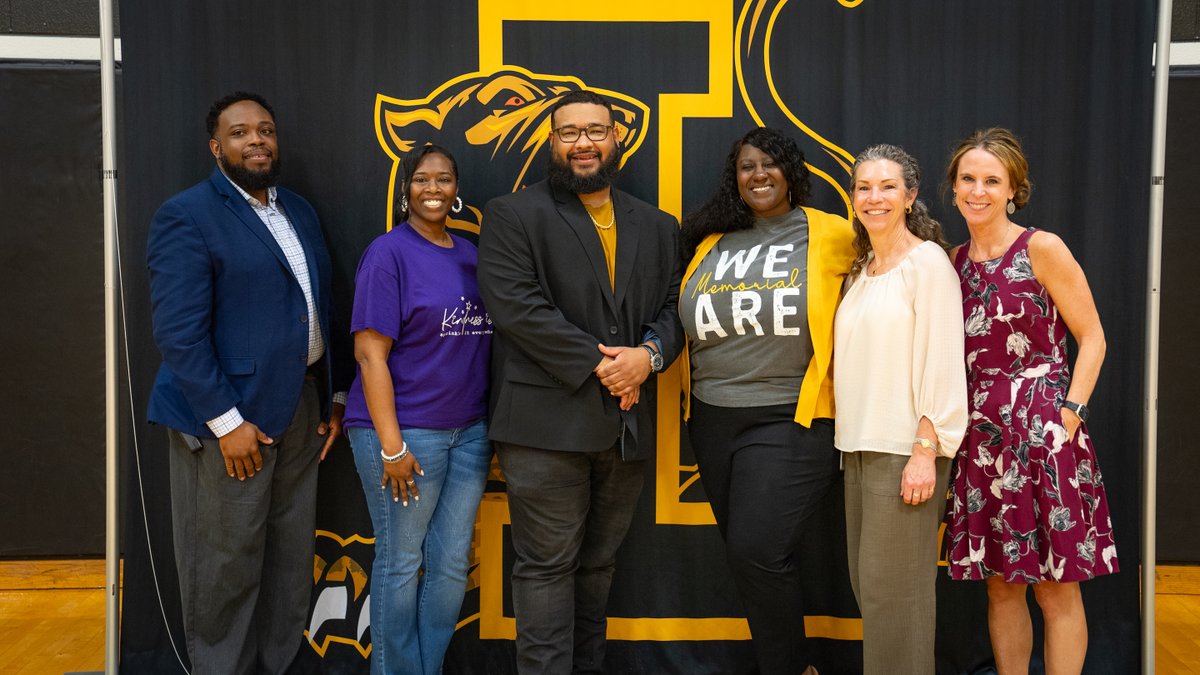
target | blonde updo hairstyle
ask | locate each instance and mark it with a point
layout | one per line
(1005, 146)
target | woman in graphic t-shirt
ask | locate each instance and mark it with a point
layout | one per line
(416, 416)
(757, 304)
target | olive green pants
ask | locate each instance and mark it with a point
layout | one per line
(892, 551)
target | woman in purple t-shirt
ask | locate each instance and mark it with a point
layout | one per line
(416, 416)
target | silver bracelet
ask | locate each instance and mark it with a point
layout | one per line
(392, 459)
(929, 445)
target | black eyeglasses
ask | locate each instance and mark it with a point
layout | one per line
(596, 133)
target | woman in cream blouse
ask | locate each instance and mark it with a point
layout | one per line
(901, 396)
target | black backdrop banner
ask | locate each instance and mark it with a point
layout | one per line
(53, 299)
(1178, 539)
(355, 85)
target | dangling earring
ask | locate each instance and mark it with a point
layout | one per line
(404, 203)
(457, 205)
(1011, 208)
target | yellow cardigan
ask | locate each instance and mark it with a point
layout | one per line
(830, 254)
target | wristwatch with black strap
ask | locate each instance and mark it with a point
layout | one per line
(656, 359)
(1077, 408)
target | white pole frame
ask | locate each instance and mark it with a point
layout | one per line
(112, 534)
(1162, 66)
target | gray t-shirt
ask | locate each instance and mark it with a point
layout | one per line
(745, 312)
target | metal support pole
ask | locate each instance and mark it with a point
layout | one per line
(1162, 65)
(112, 538)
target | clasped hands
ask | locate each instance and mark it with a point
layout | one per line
(622, 370)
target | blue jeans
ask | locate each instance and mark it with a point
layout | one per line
(421, 550)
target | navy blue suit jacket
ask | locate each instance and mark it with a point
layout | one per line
(229, 316)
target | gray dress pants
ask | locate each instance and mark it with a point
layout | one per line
(893, 551)
(244, 549)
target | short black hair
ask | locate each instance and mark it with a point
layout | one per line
(413, 159)
(410, 163)
(219, 106)
(581, 96)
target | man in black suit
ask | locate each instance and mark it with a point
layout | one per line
(581, 281)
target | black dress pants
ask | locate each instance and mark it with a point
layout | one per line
(570, 512)
(764, 475)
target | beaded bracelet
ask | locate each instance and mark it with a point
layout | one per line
(392, 459)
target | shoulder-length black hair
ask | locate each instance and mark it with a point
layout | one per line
(725, 211)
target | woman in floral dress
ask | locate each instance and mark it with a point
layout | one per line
(1027, 505)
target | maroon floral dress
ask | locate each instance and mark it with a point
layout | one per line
(1026, 503)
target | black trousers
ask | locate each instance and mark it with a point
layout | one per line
(570, 512)
(764, 476)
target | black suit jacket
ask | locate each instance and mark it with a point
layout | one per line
(545, 283)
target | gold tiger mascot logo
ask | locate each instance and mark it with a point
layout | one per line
(496, 124)
(342, 610)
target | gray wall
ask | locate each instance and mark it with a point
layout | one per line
(1185, 21)
(55, 17)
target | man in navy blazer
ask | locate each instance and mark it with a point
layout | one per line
(240, 286)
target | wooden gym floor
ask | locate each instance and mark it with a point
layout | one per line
(52, 618)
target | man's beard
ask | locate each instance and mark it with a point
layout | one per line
(563, 177)
(248, 180)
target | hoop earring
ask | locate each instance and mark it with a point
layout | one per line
(1011, 208)
(404, 203)
(458, 205)
(907, 210)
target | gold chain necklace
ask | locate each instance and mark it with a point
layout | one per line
(611, 221)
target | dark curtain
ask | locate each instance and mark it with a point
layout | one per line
(1179, 369)
(52, 281)
(1071, 78)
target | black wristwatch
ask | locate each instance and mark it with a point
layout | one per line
(656, 361)
(1078, 408)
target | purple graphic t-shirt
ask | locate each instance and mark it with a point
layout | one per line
(426, 299)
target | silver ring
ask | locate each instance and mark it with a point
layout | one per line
(410, 481)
